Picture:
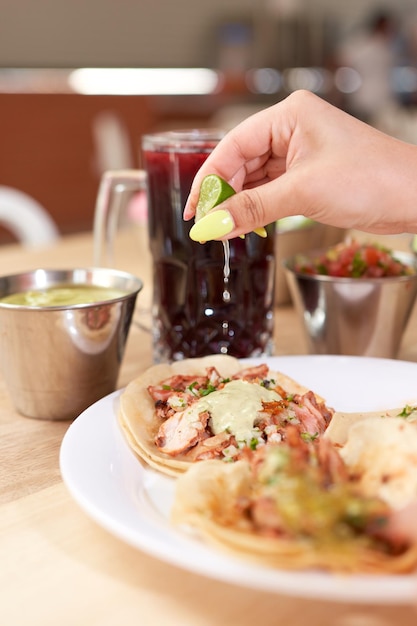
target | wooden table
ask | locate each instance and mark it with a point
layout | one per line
(59, 567)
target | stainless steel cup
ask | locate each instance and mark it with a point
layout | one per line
(57, 360)
(295, 235)
(353, 316)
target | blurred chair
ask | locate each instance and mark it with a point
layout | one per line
(25, 218)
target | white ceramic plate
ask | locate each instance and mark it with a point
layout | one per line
(133, 502)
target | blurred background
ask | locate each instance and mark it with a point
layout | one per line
(82, 80)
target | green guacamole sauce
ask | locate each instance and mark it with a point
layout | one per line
(63, 295)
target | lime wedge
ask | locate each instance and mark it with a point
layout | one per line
(213, 191)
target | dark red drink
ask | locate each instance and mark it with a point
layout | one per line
(191, 316)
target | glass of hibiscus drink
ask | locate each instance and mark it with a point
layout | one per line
(207, 298)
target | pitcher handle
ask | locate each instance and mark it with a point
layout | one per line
(112, 196)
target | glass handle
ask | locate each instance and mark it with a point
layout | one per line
(115, 189)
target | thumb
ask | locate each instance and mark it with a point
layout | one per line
(247, 210)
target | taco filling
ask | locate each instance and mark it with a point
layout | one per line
(292, 505)
(212, 408)
(214, 417)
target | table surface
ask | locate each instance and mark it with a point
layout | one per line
(60, 567)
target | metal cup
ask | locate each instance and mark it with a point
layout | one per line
(57, 360)
(353, 316)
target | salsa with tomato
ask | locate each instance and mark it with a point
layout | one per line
(354, 260)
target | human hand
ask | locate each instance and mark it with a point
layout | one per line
(305, 156)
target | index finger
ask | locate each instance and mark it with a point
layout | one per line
(243, 150)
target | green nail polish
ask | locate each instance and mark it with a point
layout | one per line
(214, 225)
(261, 232)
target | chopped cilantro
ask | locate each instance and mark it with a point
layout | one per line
(308, 437)
(321, 268)
(191, 388)
(290, 417)
(209, 389)
(253, 444)
(267, 383)
(407, 411)
(166, 387)
(359, 265)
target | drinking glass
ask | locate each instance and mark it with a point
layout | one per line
(193, 313)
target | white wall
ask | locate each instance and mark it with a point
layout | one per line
(109, 32)
(67, 33)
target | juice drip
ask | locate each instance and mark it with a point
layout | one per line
(226, 292)
(226, 271)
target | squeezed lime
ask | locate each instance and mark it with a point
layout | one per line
(213, 191)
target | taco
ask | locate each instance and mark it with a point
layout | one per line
(342, 422)
(293, 506)
(214, 408)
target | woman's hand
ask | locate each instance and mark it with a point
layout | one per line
(304, 156)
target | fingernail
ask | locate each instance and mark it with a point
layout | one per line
(261, 232)
(212, 226)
